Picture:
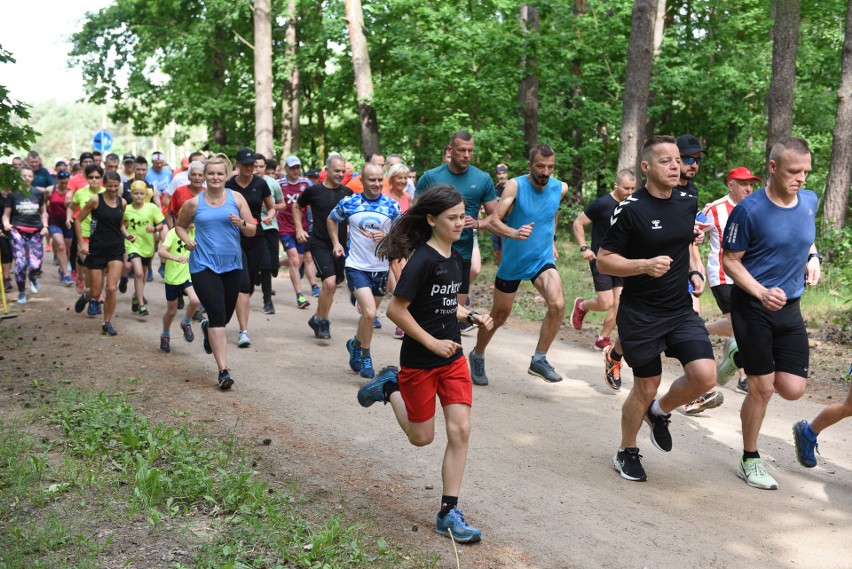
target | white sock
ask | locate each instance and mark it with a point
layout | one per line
(655, 409)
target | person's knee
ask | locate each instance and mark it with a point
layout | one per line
(458, 432)
(368, 313)
(556, 305)
(646, 389)
(420, 438)
(499, 316)
(761, 389)
(605, 301)
(111, 288)
(791, 390)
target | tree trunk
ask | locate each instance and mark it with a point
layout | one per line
(363, 78)
(263, 77)
(659, 24)
(779, 100)
(640, 62)
(528, 87)
(840, 171)
(219, 135)
(290, 109)
(580, 8)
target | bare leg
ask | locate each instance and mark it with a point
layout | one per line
(699, 376)
(832, 414)
(369, 309)
(216, 337)
(609, 320)
(419, 434)
(549, 285)
(501, 307)
(635, 406)
(60, 251)
(169, 316)
(139, 274)
(326, 297)
(113, 273)
(457, 417)
(243, 310)
(600, 303)
(294, 260)
(760, 390)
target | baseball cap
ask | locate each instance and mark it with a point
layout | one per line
(501, 168)
(743, 173)
(129, 157)
(245, 156)
(312, 173)
(292, 160)
(87, 156)
(689, 144)
(64, 174)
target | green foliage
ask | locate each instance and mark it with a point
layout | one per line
(14, 132)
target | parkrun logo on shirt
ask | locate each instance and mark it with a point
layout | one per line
(445, 289)
(655, 224)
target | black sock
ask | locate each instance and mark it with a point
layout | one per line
(747, 454)
(389, 388)
(356, 343)
(616, 357)
(365, 352)
(738, 360)
(447, 504)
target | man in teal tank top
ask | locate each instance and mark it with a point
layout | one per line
(528, 209)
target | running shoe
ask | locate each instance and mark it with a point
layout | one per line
(301, 301)
(7, 285)
(398, 334)
(165, 344)
(377, 324)
(324, 329)
(198, 316)
(601, 342)
(268, 308)
(577, 314)
(354, 355)
(122, 285)
(754, 473)
(313, 322)
(93, 308)
(186, 328)
(150, 276)
(107, 329)
(134, 305)
(22, 298)
(67, 280)
(709, 400)
(544, 370)
(477, 368)
(162, 270)
(143, 310)
(74, 274)
(205, 338)
(727, 368)
(367, 370)
(80, 304)
(99, 307)
(660, 435)
(225, 380)
(374, 391)
(315, 290)
(35, 284)
(628, 463)
(742, 386)
(453, 525)
(244, 340)
(805, 447)
(612, 369)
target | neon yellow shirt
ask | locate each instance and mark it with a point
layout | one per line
(177, 273)
(137, 220)
(81, 197)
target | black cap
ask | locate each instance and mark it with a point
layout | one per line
(87, 155)
(312, 173)
(129, 157)
(689, 144)
(245, 156)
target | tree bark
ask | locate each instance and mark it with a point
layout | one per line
(363, 78)
(263, 77)
(290, 107)
(779, 100)
(528, 87)
(640, 62)
(840, 171)
(659, 24)
(580, 8)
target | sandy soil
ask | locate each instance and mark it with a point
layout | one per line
(539, 482)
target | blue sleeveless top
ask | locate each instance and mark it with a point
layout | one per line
(217, 239)
(524, 259)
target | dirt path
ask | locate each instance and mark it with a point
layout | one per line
(539, 481)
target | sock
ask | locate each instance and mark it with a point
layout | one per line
(655, 409)
(389, 388)
(750, 454)
(539, 356)
(241, 331)
(356, 343)
(186, 320)
(810, 433)
(365, 352)
(447, 504)
(615, 356)
(167, 333)
(738, 360)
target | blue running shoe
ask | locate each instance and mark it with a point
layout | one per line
(314, 323)
(454, 526)
(374, 391)
(377, 323)
(93, 308)
(315, 291)
(354, 355)
(804, 446)
(367, 370)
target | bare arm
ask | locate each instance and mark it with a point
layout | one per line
(301, 234)
(620, 266)
(336, 247)
(184, 220)
(579, 230)
(84, 213)
(500, 209)
(244, 221)
(771, 298)
(7, 219)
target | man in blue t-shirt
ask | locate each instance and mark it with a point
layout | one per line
(477, 189)
(768, 249)
(158, 177)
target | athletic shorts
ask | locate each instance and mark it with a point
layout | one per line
(722, 294)
(465, 284)
(289, 242)
(644, 336)
(98, 259)
(769, 341)
(253, 250)
(496, 242)
(60, 229)
(511, 287)
(146, 261)
(418, 387)
(603, 282)
(5, 251)
(326, 263)
(376, 281)
(174, 292)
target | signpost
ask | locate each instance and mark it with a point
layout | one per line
(102, 141)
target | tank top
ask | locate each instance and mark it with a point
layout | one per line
(56, 209)
(106, 229)
(217, 239)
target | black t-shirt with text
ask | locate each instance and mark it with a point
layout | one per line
(600, 212)
(431, 282)
(645, 227)
(25, 208)
(254, 194)
(322, 200)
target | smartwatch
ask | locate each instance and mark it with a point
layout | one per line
(470, 316)
(584, 248)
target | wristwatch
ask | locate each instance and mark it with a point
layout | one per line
(815, 255)
(470, 316)
(584, 248)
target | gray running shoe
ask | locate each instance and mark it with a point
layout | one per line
(244, 341)
(742, 386)
(544, 370)
(709, 400)
(727, 368)
(753, 472)
(477, 368)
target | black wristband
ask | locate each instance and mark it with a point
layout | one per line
(699, 273)
(817, 256)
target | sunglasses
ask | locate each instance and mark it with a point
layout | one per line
(690, 160)
(93, 177)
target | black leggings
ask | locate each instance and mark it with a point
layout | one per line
(218, 294)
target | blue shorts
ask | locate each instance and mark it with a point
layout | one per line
(289, 242)
(56, 229)
(174, 292)
(375, 281)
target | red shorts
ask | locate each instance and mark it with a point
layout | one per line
(418, 387)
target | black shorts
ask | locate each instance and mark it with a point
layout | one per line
(722, 294)
(253, 249)
(769, 341)
(603, 282)
(174, 292)
(146, 261)
(5, 251)
(99, 258)
(511, 287)
(326, 263)
(644, 336)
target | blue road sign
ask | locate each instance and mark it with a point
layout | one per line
(102, 141)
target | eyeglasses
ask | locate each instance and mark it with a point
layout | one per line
(690, 160)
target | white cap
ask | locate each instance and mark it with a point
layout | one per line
(292, 160)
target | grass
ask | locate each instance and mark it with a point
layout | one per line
(113, 468)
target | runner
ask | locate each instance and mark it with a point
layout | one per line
(175, 255)
(530, 207)
(104, 250)
(607, 288)
(292, 185)
(94, 175)
(61, 234)
(143, 220)
(648, 245)
(369, 216)
(5, 243)
(768, 246)
(502, 174)
(25, 222)
(220, 217)
(432, 362)
(269, 226)
(805, 435)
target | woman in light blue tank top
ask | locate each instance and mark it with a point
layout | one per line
(215, 259)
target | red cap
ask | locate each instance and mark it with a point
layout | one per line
(743, 173)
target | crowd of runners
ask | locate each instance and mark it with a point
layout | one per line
(222, 227)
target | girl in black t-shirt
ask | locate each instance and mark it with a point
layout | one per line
(425, 306)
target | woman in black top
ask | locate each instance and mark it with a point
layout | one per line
(25, 222)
